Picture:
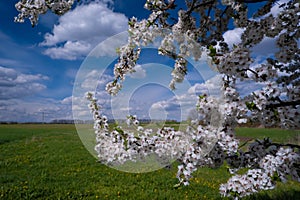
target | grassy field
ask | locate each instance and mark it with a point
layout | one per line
(50, 162)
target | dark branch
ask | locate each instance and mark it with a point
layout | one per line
(253, 1)
(193, 7)
(283, 104)
(286, 145)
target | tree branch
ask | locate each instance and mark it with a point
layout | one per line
(253, 1)
(193, 7)
(284, 104)
(286, 145)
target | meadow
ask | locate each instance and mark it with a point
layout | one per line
(48, 161)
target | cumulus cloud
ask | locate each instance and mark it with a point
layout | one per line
(211, 87)
(177, 107)
(91, 81)
(34, 110)
(67, 100)
(20, 100)
(181, 106)
(276, 9)
(233, 36)
(9, 62)
(93, 77)
(80, 30)
(267, 46)
(139, 73)
(7, 75)
(70, 50)
(108, 46)
(14, 85)
(78, 105)
(167, 105)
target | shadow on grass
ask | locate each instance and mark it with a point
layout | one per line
(283, 195)
(4, 141)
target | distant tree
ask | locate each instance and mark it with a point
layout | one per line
(199, 31)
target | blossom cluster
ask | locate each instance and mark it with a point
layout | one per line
(249, 183)
(275, 104)
(119, 145)
(211, 141)
(281, 164)
(33, 8)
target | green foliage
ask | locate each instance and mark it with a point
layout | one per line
(275, 134)
(251, 105)
(50, 162)
(212, 51)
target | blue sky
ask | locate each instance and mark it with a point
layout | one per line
(38, 66)
(36, 71)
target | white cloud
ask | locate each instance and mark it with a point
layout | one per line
(211, 87)
(166, 104)
(275, 10)
(266, 47)
(26, 78)
(90, 81)
(139, 73)
(70, 50)
(94, 77)
(108, 46)
(7, 75)
(67, 100)
(15, 85)
(177, 107)
(233, 36)
(180, 106)
(10, 62)
(80, 30)
(34, 110)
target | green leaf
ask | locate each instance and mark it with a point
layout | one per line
(119, 130)
(118, 50)
(213, 51)
(149, 23)
(251, 105)
(130, 23)
(202, 96)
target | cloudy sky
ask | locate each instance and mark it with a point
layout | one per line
(40, 67)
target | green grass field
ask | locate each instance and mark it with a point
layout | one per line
(50, 162)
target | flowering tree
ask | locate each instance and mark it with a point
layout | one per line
(199, 31)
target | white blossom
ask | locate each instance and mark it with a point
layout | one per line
(213, 142)
(210, 141)
(33, 8)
